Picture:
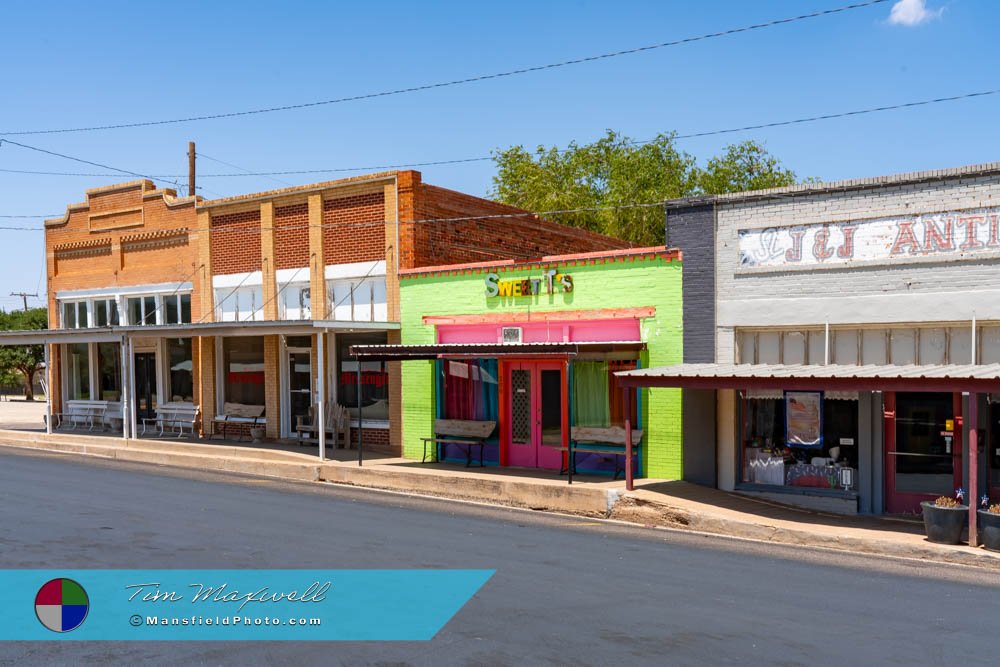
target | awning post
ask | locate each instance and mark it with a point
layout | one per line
(126, 399)
(361, 444)
(321, 395)
(48, 391)
(627, 400)
(132, 414)
(973, 468)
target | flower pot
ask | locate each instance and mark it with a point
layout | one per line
(944, 524)
(989, 530)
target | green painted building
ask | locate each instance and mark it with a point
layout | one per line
(533, 346)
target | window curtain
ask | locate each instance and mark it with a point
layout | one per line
(590, 394)
(470, 389)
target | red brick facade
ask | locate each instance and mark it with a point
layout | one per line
(354, 228)
(235, 242)
(291, 236)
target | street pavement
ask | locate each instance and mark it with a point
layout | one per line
(567, 591)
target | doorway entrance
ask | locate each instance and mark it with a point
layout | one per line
(145, 385)
(993, 450)
(923, 449)
(299, 369)
(536, 416)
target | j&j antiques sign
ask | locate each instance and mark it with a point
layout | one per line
(954, 234)
(550, 282)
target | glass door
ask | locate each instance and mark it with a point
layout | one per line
(299, 386)
(145, 385)
(923, 455)
(521, 451)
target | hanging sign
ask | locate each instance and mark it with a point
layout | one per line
(804, 419)
(943, 235)
(550, 282)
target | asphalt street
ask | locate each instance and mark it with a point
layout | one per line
(567, 591)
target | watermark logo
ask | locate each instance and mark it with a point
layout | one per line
(61, 605)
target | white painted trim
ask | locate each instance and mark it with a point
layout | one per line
(296, 275)
(895, 308)
(355, 270)
(159, 288)
(253, 279)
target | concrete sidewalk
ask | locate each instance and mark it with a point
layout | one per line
(677, 505)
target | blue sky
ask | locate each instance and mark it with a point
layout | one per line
(66, 66)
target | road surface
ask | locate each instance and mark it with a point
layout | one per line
(567, 591)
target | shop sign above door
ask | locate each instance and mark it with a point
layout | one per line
(881, 240)
(550, 282)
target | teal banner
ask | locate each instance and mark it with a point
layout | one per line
(157, 605)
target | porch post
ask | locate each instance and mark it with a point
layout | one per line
(321, 394)
(361, 444)
(629, 481)
(133, 420)
(48, 391)
(126, 399)
(973, 467)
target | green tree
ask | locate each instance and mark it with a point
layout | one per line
(744, 166)
(612, 174)
(25, 360)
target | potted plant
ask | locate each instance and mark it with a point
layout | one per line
(945, 518)
(989, 524)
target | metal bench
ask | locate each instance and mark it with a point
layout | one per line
(82, 413)
(600, 440)
(173, 416)
(239, 415)
(464, 432)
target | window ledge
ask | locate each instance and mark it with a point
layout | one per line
(371, 423)
(795, 490)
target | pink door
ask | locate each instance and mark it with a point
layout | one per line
(536, 414)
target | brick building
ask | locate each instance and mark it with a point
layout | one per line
(248, 304)
(842, 340)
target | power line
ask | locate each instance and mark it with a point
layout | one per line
(235, 166)
(81, 160)
(458, 82)
(692, 135)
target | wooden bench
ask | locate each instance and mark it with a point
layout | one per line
(82, 413)
(239, 415)
(600, 440)
(335, 423)
(463, 432)
(173, 416)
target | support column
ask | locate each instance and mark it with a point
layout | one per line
(48, 393)
(973, 468)
(272, 384)
(132, 415)
(126, 399)
(206, 383)
(361, 443)
(627, 407)
(317, 260)
(321, 394)
(268, 272)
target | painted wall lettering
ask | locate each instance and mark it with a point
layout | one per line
(551, 282)
(885, 240)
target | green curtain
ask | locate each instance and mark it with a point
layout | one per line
(590, 394)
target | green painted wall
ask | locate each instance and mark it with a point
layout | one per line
(638, 282)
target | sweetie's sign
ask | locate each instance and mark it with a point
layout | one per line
(944, 235)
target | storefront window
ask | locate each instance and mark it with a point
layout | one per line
(374, 378)
(74, 315)
(597, 395)
(243, 361)
(181, 376)
(470, 389)
(109, 369)
(769, 459)
(78, 371)
(177, 308)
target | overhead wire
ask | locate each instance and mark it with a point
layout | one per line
(461, 81)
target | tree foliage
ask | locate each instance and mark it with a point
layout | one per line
(25, 361)
(612, 174)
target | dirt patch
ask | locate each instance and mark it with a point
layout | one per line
(639, 511)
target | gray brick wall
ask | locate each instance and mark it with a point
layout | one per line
(693, 231)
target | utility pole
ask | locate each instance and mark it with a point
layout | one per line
(191, 158)
(24, 296)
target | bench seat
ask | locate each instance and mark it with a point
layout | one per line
(601, 440)
(463, 432)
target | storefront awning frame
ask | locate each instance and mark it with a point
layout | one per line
(488, 350)
(978, 378)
